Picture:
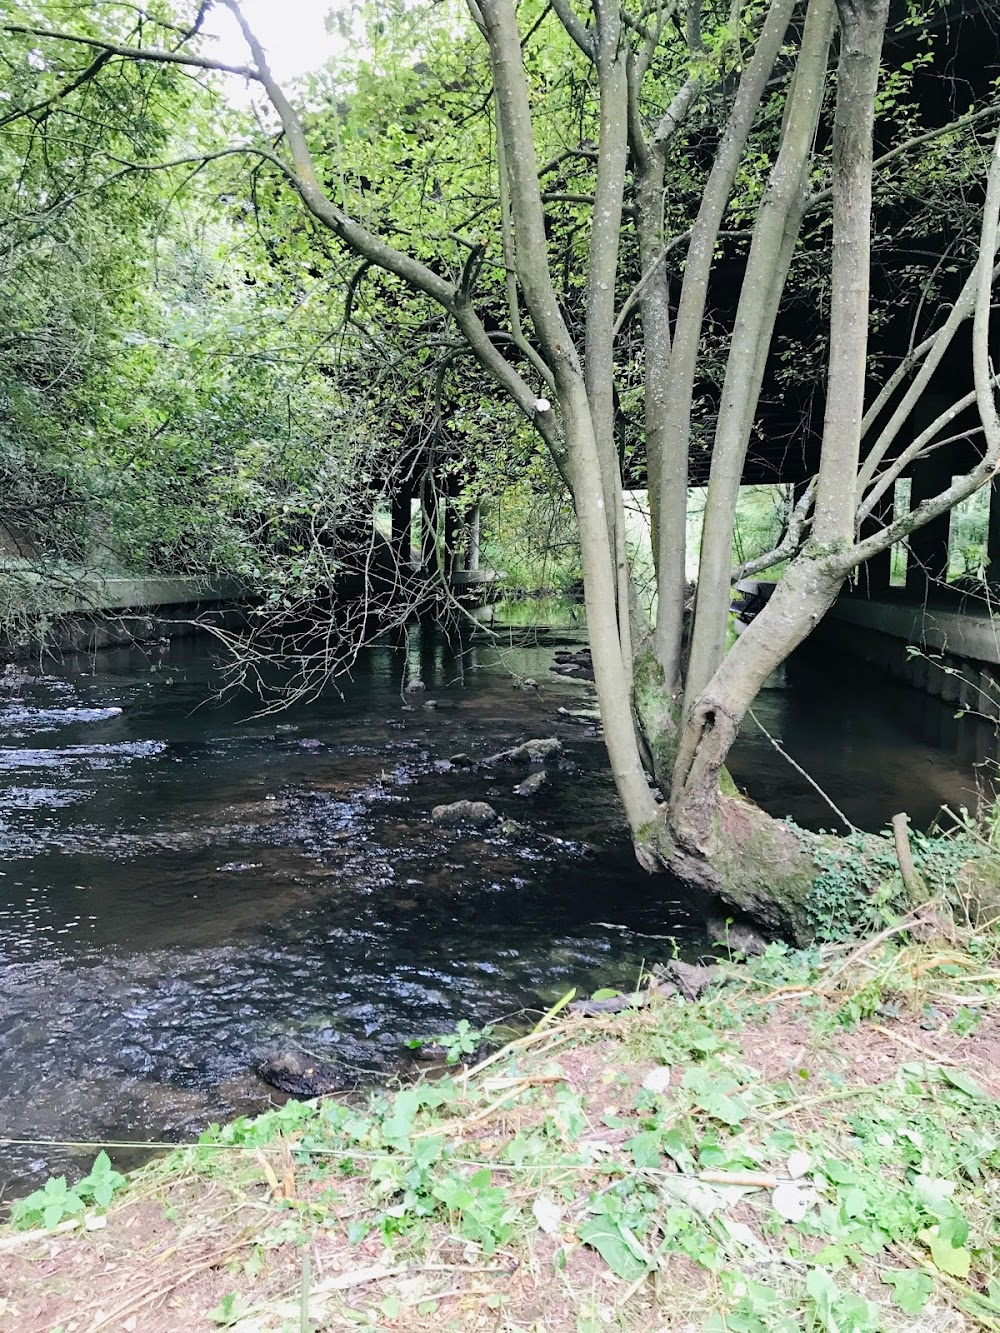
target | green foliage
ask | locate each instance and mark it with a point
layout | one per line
(465, 1040)
(858, 886)
(897, 1176)
(57, 1201)
(854, 888)
(230, 1310)
(530, 534)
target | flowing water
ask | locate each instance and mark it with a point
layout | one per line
(185, 885)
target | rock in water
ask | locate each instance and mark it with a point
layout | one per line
(300, 1075)
(532, 784)
(477, 814)
(531, 752)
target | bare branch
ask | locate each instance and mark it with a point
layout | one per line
(986, 469)
(790, 542)
(47, 103)
(136, 52)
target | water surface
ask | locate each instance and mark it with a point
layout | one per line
(185, 885)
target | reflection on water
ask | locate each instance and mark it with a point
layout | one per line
(874, 746)
(184, 884)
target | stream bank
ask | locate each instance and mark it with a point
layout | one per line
(814, 1142)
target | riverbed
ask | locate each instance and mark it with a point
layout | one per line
(186, 885)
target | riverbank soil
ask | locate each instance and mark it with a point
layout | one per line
(814, 1143)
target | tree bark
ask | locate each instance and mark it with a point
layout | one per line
(815, 577)
(679, 393)
(862, 29)
(775, 234)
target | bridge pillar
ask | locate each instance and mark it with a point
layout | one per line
(402, 527)
(927, 563)
(993, 536)
(873, 576)
(452, 560)
(473, 530)
(429, 520)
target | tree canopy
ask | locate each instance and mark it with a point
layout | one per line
(651, 244)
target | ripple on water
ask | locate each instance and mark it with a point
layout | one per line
(110, 755)
(20, 719)
(295, 876)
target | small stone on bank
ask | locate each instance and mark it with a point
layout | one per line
(693, 978)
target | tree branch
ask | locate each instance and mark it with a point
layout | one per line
(574, 27)
(85, 76)
(136, 52)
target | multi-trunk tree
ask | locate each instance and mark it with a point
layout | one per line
(667, 113)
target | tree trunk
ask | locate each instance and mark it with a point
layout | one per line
(717, 837)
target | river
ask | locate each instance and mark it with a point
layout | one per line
(185, 884)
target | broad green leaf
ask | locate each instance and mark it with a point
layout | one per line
(645, 1150)
(953, 1260)
(605, 1236)
(965, 1084)
(911, 1289)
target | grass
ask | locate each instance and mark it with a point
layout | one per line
(812, 1145)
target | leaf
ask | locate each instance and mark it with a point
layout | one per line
(397, 1126)
(934, 1193)
(710, 1094)
(453, 1193)
(792, 1202)
(912, 1290)
(964, 1084)
(672, 1143)
(798, 1164)
(604, 1236)
(823, 1290)
(658, 1079)
(951, 1259)
(700, 1198)
(605, 993)
(547, 1214)
(645, 1150)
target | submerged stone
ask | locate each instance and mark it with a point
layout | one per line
(532, 784)
(300, 1075)
(478, 814)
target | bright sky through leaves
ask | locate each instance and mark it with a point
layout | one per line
(293, 33)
